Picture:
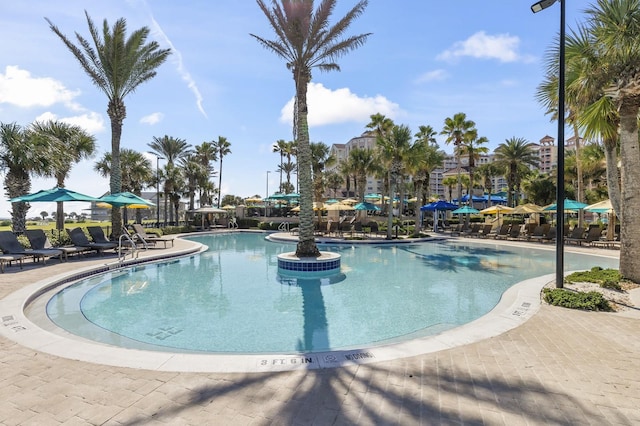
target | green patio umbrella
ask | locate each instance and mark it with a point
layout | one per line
(465, 210)
(123, 199)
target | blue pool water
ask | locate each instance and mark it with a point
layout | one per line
(231, 299)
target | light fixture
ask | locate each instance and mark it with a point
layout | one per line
(537, 7)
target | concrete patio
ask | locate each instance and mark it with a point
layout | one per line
(559, 367)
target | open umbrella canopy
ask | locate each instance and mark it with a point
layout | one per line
(439, 205)
(527, 209)
(104, 205)
(600, 207)
(53, 195)
(497, 209)
(316, 206)
(349, 201)
(208, 209)
(568, 205)
(332, 201)
(372, 197)
(228, 207)
(338, 207)
(366, 206)
(465, 210)
(122, 199)
(253, 200)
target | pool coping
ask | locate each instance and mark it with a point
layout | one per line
(517, 304)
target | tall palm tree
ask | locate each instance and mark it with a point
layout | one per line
(320, 159)
(117, 64)
(194, 173)
(363, 163)
(334, 182)
(515, 155)
(424, 157)
(172, 149)
(457, 129)
(305, 40)
(21, 156)
(223, 148)
(487, 172)
(472, 148)
(394, 148)
(381, 126)
(73, 145)
(136, 169)
(280, 147)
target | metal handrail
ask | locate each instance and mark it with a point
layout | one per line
(134, 247)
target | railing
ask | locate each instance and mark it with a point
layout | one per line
(134, 247)
(283, 227)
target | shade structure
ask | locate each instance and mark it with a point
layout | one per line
(104, 205)
(600, 207)
(465, 210)
(337, 207)
(124, 199)
(228, 207)
(497, 209)
(349, 201)
(332, 201)
(568, 205)
(207, 210)
(439, 205)
(372, 197)
(253, 200)
(527, 209)
(316, 206)
(366, 206)
(57, 194)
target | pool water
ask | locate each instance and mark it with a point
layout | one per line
(231, 299)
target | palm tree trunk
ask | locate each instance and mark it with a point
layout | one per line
(580, 180)
(116, 112)
(220, 182)
(613, 178)
(306, 246)
(630, 220)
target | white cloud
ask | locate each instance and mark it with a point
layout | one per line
(19, 88)
(91, 122)
(152, 119)
(340, 106)
(502, 47)
(435, 75)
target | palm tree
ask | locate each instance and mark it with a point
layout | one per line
(136, 169)
(457, 129)
(472, 148)
(306, 40)
(117, 65)
(334, 182)
(450, 182)
(394, 148)
(515, 155)
(194, 173)
(362, 162)
(539, 188)
(280, 147)
(20, 156)
(424, 157)
(73, 145)
(172, 149)
(222, 146)
(487, 172)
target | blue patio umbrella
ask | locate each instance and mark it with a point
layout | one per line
(568, 205)
(465, 210)
(366, 206)
(123, 199)
(53, 195)
(438, 205)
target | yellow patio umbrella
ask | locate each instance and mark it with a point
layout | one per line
(338, 207)
(497, 209)
(316, 206)
(228, 207)
(129, 206)
(349, 201)
(527, 209)
(253, 200)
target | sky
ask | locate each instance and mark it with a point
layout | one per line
(423, 62)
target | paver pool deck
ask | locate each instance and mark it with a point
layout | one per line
(560, 367)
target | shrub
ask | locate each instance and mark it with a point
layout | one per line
(5, 223)
(589, 301)
(246, 223)
(607, 278)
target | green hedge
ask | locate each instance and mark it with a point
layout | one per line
(589, 301)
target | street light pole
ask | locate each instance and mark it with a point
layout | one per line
(158, 158)
(267, 196)
(535, 8)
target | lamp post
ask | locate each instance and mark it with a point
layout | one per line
(535, 8)
(158, 158)
(267, 196)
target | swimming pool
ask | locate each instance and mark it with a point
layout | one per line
(231, 299)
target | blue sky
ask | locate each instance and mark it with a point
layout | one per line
(425, 61)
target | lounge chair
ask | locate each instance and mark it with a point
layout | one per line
(139, 230)
(39, 241)
(78, 238)
(474, 231)
(539, 232)
(514, 232)
(97, 235)
(576, 236)
(486, 230)
(10, 245)
(503, 232)
(8, 258)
